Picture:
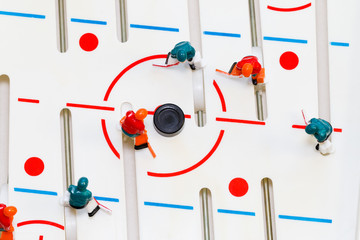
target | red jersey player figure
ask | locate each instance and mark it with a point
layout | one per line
(132, 125)
(249, 65)
(6, 219)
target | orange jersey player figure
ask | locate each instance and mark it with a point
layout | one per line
(6, 219)
(132, 125)
(249, 65)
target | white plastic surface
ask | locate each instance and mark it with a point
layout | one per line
(323, 190)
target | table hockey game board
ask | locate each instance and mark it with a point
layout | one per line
(88, 66)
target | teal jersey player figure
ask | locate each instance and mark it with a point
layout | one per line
(321, 130)
(80, 197)
(183, 51)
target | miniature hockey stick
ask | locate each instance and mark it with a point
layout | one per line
(166, 66)
(302, 111)
(151, 150)
(167, 59)
(103, 207)
(228, 74)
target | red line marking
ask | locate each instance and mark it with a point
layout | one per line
(166, 66)
(40, 222)
(289, 9)
(27, 100)
(106, 135)
(239, 121)
(221, 96)
(113, 83)
(299, 126)
(187, 170)
(303, 127)
(90, 106)
(152, 113)
(41, 237)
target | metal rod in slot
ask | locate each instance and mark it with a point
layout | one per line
(206, 216)
(67, 147)
(197, 75)
(266, 184)
(256, 43)
(61, 12)
(200, 118)
(4, 135)
(69, 213)
(322, 53)
(254, 40)
(131, 197)
(123, 21)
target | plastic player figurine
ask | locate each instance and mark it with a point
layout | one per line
(183, 51)
(132, 125)
(249, 65)
(321, 130)
(79, 197)
(6, 219)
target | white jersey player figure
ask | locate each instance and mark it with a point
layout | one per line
(321, 130)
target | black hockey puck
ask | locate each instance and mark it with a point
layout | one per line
(169, 120)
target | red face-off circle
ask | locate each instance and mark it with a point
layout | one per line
(289, 60)
(238, 187)
(88, 42)
(34, 166)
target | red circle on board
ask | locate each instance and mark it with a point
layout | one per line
(289, 60)
(238, 187)
(34, 166)
(88, 42)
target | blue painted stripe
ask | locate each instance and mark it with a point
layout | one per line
(106, 199)
(154, 28)
(340, 44)
(222, 34)
(78, 20)
(236, 212)
(291, 40)
(17, 14)
(320, 220)
(166, 205)
(26, 190)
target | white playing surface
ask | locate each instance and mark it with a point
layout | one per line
(315, 197)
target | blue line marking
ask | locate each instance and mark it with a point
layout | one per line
(17, 14)
(78, 20)
(291, 40)
(340, 44)
(106, 199)
(168, 205)
(222, 34)
(236, 212)
(320, 220)
(154, 28)
(25, 190)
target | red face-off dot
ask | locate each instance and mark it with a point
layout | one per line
(34, 166)
(88, 42)
(238, 187)
(289, 60)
